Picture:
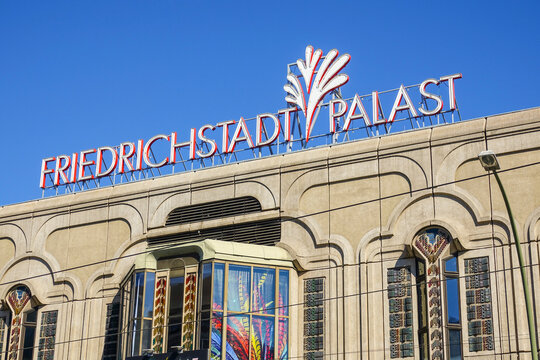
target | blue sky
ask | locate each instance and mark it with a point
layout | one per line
(76, 75)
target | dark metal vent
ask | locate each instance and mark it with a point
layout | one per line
(266, 232)
(213, 210)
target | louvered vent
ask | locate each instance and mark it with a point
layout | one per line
(213, 210)
(266, 232)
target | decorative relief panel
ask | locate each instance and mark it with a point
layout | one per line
(190, 301)
(401, 315)
(17, 299)
(47, 335)
(160, 298)
(432, 244)
(479, 310)
(314, 319)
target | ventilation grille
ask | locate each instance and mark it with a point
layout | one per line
(213, 210)
(261, 232)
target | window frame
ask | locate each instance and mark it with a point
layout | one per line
(448, 274)
(4, 340)
(128, 318)
(128, 298)
(225, 313)
(422, 296)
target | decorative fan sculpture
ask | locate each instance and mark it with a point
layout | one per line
(327, 79)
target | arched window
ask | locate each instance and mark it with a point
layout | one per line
(439, 327)
(453, 300)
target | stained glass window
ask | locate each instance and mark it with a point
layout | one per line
(47, 335)
(400, 304)
(479, 308)
(238, 288)
(242, 310)
(248, 305)
(314, 319)
(264, 289)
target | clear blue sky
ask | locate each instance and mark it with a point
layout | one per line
(76, 75)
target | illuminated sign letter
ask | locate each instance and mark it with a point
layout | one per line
(357, 103)
(60, 169)
(287, 126)
(74, 163)
(124, 157)
(261, 128)
(225, 139)
(190, 143)
(451, 89)
(377, 109)
(237, 138)
(427, 95)
(402, 94)
(138, 165)
(333, 114)
(204, 139)
(84, 163)
(99, 161)
(147, 151)
(45, 171)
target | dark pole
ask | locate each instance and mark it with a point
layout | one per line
(528, 302)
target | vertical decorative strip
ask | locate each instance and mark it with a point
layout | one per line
(160, 297)
(314, 319)
(190, 300)
(47, 335)
(431, 244)
(401, 315)
(17, 300)
(479, 313)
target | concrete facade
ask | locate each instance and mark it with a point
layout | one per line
(349, 212)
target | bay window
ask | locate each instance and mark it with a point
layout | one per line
(232, 309)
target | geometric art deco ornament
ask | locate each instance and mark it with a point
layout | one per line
(17, 299)
(431, 244)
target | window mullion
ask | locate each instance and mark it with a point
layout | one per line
(249, 309)
(276, 311)
(225, 320)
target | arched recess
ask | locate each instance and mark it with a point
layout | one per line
(301, 238)
(114, 271)
(159, 216)
(446, 170)
(254, 189)
(406, 167)
(41, 277)
(259, 191)
(453, 212)
(17, 235)
(532, 226)
(124, 212)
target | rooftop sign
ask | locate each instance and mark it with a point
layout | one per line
(308, 84)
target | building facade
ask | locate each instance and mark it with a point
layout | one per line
(396, 246)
